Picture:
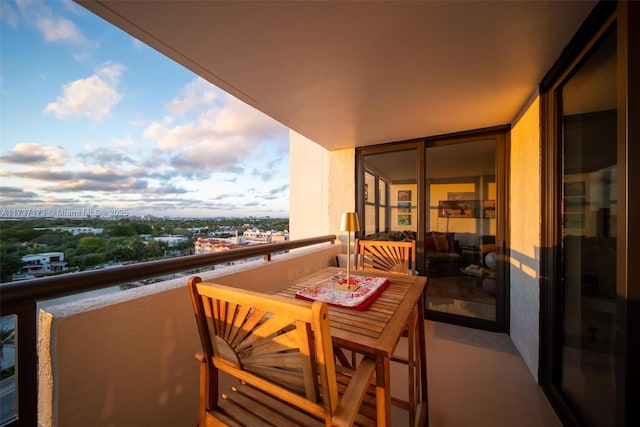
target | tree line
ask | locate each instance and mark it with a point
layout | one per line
(120, 241)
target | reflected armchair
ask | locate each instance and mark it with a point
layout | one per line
(442, 257)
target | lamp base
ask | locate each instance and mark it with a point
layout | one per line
(346, 287)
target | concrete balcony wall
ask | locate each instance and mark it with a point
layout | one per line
(322, 186)
(126, 359)
(525, 220)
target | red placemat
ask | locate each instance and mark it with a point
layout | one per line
(360, 299)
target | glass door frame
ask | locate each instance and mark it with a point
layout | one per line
(501, 135)
(627, 339)
(502, 147)
(418, 146)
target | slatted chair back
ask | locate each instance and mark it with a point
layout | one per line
(383, 255)
(278, 346)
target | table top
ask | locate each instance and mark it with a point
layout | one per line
(376, 330)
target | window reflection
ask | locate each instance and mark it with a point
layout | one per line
(460, 241)
(391, 195)
(589, 210)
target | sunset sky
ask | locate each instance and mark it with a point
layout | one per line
(92, 118)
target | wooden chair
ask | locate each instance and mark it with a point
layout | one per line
(396, 258)
(388, 256)
(280, 351)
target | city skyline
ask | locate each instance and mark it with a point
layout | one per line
(93, 119)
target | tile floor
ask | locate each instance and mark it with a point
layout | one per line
(461, 295)
(476, 378)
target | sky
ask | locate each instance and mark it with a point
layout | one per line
(93, 120)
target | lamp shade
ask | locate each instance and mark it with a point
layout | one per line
(349, 222)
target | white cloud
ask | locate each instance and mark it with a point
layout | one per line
(123, 142)
(170, 138)
(239, 118)
(195, 96)
(57, 29)
(93, 97)
(220, 112)
(32, 153)
(7, 14)
(53, 28)
(211, 130)
(137, 44)
(204, 142)
(214, 156)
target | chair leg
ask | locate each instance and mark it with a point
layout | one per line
(411, 359)
(413, 368)
(421, 362)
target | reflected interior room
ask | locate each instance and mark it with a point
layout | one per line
(458, 195)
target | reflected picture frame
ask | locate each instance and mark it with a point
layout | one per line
(404, 219)
(404, 196)
(404, 207)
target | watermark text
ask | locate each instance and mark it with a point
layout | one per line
(90, 212)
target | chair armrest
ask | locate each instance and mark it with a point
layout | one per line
(354, 394)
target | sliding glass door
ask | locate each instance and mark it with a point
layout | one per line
(462, 247)
(447, 194)
(589, 275)
(460, 240)
(589, 239)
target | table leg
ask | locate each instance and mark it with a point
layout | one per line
(383, 392)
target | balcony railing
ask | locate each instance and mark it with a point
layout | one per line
(21, 298)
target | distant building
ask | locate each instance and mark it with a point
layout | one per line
(197, 230)
(207, 246)
(74, 230)
(279, 236)
(256, 235)
(46, 262)
(171, 241)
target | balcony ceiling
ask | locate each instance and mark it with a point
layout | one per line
(349, 74)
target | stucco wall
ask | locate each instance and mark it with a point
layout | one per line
(525, 234)
(126, 359)
(308, 188)
(322, 186)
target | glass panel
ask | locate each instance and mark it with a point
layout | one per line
(370, 201)
(369, 220)
(382, 210)
(393, 174)
(589, 208)
(8, 378)
(460, 241)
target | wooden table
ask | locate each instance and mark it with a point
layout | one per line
(376, 331)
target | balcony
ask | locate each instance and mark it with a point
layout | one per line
(126, 358)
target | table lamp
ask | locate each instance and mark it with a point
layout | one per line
(349, 223)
